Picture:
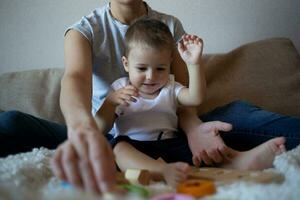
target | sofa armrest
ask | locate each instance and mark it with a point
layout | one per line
(265, 73)
(35, 92)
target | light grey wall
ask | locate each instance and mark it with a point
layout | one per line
(31, 34)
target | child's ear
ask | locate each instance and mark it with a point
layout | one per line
(125, 63)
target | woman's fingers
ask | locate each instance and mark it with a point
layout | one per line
(205, 158)
(196, 161)
(56, 164)
(102, 162)
(93, 173)
(215, 156)
(88, 177)
(69, 164)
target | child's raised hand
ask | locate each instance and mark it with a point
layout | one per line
(123, 96)
(190, 49)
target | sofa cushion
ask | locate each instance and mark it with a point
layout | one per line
(265, 73)
(34, 91)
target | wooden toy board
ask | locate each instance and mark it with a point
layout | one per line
(224, 176)
(201, 181)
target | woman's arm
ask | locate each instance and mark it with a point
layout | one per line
(76, 83)
(85, 159)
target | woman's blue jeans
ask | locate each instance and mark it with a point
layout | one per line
(20, 132)
(253, 126)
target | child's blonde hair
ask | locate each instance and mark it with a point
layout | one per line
(150, 32)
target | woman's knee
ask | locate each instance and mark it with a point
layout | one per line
(240, 106)
(11, 118)
(239, 103)
(230, 111)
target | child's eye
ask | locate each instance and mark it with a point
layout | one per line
(161, 69)
(142, 69)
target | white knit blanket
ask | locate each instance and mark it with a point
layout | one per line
(28, 176)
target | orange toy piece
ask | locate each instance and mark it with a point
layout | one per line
(197, 188)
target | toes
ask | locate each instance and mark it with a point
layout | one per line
(279, 141)
(182, 166)
(282, 148)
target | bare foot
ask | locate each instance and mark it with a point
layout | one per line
(175, 173)
(258, 158)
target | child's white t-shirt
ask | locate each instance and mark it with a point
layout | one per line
(148, 119)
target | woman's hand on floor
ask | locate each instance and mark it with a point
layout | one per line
(86, 160)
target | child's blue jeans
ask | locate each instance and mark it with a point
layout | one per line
(20, 132)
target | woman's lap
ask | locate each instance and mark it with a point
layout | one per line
(21, 132)
(252, 126)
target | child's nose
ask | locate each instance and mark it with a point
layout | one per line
(150, 75)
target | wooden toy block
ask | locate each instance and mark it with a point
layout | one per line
(121, 179)
(138, 176)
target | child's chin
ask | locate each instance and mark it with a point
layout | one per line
(149, 92)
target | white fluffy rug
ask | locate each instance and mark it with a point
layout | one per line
(28, 176)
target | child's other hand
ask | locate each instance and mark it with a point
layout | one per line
(190, 49)
(123, 96)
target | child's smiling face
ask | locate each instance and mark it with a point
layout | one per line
(148, 68)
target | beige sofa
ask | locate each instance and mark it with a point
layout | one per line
(266, 73)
